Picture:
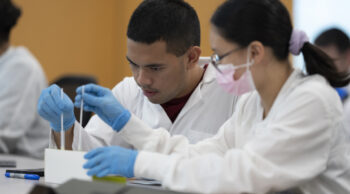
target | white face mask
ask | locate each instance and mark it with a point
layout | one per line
(236, 87)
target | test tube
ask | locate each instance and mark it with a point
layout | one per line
(50, 134)
(62, 130)
(81, 118)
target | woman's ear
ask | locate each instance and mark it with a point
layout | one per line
(193, 56)
(257, 51)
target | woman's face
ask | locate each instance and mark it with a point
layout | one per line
(238, 56)
(232, 53)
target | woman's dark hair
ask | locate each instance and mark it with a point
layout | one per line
(268, 21)
(9, 14)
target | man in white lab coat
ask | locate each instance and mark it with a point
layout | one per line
(168, 89)
(22, 130)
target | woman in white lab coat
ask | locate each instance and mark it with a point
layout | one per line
(286, 131)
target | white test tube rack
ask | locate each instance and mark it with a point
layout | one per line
(62, 165)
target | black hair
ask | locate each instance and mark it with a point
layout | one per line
(172, 21)
(268, 21)
(334, 37)
(9, 14)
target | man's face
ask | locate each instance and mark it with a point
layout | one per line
(161, 75)
(340, 59)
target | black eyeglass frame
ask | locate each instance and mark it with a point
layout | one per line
(215, 58)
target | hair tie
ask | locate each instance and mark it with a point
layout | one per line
(297, 41)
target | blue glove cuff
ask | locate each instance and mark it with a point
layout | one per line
(132, 160)
(121, 121)
(342, 93)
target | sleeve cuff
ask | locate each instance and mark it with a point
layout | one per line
(134, 129)
(153, 165)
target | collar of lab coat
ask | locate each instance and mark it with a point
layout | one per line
(6, 54)
(293, 81)
(209, 75)
(196, 97)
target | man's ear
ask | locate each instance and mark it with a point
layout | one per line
(257, 51)
(193, 55)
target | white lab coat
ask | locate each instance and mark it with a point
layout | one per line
(301, 143)
(22, 130)
(347, 115)
(205, 111)
(346, 105)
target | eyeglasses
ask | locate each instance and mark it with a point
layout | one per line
(215, 58)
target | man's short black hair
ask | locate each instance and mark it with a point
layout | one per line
(9, 14)
(334, 37)
(172, 21)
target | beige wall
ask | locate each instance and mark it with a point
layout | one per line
(88, 36)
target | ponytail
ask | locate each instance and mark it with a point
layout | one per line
(318, 62)
(268, 21)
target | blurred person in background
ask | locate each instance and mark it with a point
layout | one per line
(22, 130)
(336, 44)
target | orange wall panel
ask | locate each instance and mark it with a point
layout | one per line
(89, 36)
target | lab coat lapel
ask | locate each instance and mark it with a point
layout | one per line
(156, 116)
(290, 83)
(196, 98)
(279, 101)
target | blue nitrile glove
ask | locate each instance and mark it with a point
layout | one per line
(111, 160)
(101, 101)
(50, 107)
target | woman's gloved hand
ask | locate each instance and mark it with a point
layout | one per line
(101, 101)
(111, 160)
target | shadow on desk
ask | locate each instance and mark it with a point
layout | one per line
(96, 187)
